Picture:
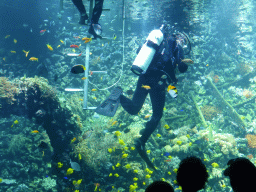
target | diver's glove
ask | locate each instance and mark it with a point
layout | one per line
(172, 91)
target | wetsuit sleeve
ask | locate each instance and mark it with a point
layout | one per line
(179, 56)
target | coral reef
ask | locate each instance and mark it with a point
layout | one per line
(251, 140)
(210, 112)
(8, 90)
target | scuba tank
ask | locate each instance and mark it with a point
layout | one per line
(147, 52)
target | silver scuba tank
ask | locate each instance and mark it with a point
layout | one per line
(147, 52)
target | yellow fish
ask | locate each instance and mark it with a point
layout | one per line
(60, 164)
(94, 89)
(58, 46)
(14, 40)
(70, 171)
(49, 47)
(171, 87)
(62, 41)
(73, 140)
(35, 131)
(7, 36)
(26, 52)
(13, 51)
(79, 156)
(83, 78)
(146, 87)
(114, 123)
(33, 59)
(86, 39)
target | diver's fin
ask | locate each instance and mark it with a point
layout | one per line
(142, 152)
(110, 105)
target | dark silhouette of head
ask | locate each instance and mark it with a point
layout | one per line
(159, 186)
(242, 174)
(192, 174)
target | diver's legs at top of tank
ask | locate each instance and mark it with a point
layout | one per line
(134, 106)
(80, 6)
(95, 27)
(97, 10)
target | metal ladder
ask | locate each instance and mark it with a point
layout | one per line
(86, 72)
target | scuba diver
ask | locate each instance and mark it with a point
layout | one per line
(155, 64)
(95, 27)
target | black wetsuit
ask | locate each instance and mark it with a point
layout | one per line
(164, 62)
(97, 10)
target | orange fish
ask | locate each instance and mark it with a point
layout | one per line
(49, 47)
(74, 46)
(42, 32)
(146, 116)
(84, 78)
(187, 61)
(73, 140)
(114, 123)
(86, 39)
(35, 131)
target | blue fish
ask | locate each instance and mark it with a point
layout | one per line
(166, 154)
(197, 141)
(46, 176)
(65, 177)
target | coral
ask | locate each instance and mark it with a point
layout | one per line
(8, 90)
(48, 183)
(244, 68)
(251, 140)
(18, 144)
(210, 112)
(216, 78)
(248, 94)
(226, 141)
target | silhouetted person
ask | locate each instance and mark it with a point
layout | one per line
(192, 174)
(159, 186)
(242, 174)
